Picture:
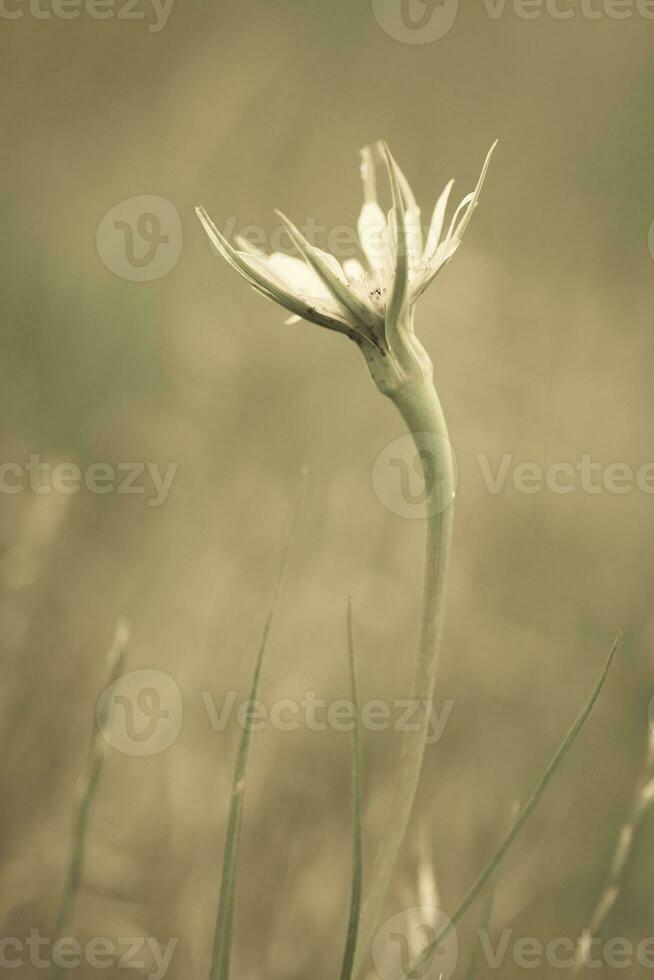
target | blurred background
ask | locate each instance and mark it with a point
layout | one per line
(126, 341)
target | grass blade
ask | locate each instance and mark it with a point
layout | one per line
(642, 801)
(357, 813)
(223, 935)
(523, 816)
(484, 924)
(88, 785)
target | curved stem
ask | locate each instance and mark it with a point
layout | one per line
(420, 408)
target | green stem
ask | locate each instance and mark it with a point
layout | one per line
(421, 410)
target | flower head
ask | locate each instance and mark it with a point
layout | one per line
(371, 303)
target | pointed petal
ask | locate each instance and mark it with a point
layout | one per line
(255, 270)
(428, 273)
(298, 301)
(245, 245)
(398, 295)
(437, 222)
(298, 275)
(414, 236)
(414, 228)
(452, 231)
(353, 269)
(475, 197)
(405, 187)
(370, 227)
(329, 270)
(219, 242)
(368, 175)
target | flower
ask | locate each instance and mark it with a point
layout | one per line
(371, 304)
(374, 306)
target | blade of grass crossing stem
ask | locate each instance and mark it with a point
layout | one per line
(223, 934)
(484, 924)
(522, 817)
(357, 811)
(88, 783)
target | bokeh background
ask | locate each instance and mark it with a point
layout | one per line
(541, 333)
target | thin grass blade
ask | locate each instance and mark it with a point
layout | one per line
(88, 785)
(220, 962)
(357, 813)
(522, 817)
(484, 924)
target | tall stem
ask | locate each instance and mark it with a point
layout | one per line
(420, 408)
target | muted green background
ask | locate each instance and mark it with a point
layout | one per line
(541, 333)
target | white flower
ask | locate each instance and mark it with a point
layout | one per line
(372, 303)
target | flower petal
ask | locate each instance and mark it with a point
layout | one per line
(270, 281)
(430, 270)
(245, 245)
(398, 295)
(412, 218)
(475, 196)
(329, 270)
(353, 269)
(298, 275)
(453, 223)
(437, 222)
(370, 227)
(255, 270)
(368, 175)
